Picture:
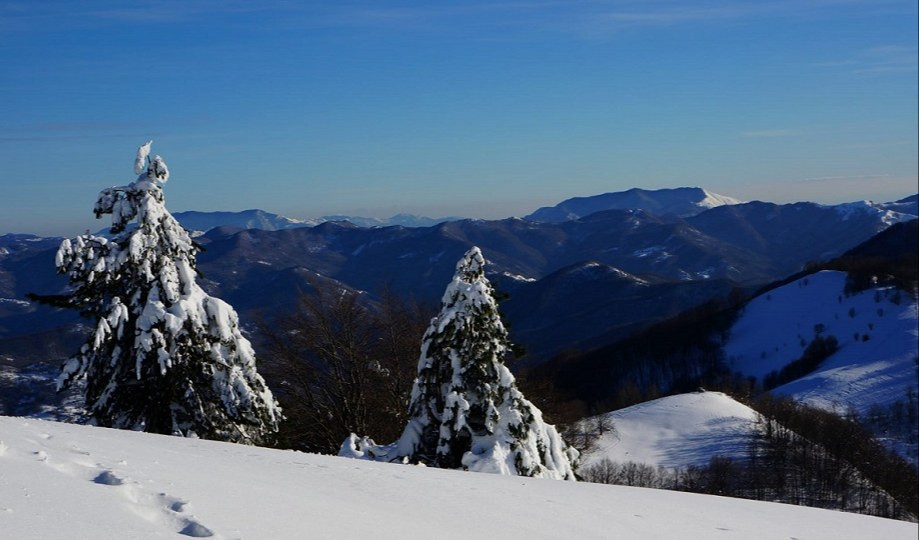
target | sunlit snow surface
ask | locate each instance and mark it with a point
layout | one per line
(68, 481)
(676, 431)
(712, 200)
(775, 328)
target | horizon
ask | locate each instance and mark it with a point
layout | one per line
(485, 110)
(97, 228)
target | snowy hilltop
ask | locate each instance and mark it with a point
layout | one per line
(677, 431)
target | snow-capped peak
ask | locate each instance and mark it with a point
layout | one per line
(711, 200)
(680, 202)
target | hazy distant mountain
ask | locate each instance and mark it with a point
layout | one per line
(404, 220)
(29, 332)
(906, 205)
(13, 243)
(266, 221)
(679, 202)
(246, 219)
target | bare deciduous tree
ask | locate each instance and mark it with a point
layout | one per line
(341, 364)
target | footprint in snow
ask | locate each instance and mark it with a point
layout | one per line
(189, 525)
(108, 478)
(161, 508)
(196, 530)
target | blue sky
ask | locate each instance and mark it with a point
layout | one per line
(480, 109)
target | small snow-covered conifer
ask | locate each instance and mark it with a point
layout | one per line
(466, 411)
(164, 357)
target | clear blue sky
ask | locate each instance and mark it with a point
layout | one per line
(481, 109)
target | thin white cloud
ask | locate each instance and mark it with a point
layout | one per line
(883, 59)
(767, 133)
(24, 16)
(607, 17)
(847, 179)
(583, 18)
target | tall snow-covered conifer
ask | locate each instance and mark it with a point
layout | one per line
(164, 357)
(466, 411)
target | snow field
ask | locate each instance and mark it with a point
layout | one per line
(69, 481)
(775, 328)
(676, 431)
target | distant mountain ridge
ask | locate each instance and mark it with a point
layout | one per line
(678, 202)
(402, 220)
(245, 219)
(553, 271)
(259, 219)
(682, 202)
(906, 205)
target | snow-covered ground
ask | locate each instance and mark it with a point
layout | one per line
(68, 481)
(878, 341)
(676, 431)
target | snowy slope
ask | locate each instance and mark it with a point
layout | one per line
(906, 205)
(887, 213)
(68, 481)
(775, 328)
(711, 200)
(676, 431)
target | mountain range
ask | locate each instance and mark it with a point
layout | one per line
(674, 202)
(568, 281)
(200, 222)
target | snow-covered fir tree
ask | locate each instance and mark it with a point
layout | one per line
(164, 357)
(466, 411)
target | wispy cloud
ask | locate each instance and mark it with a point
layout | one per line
(584, 18)
(767, 133)
(608, 17)
(25, 16)
(847, 179)
(883, 59)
